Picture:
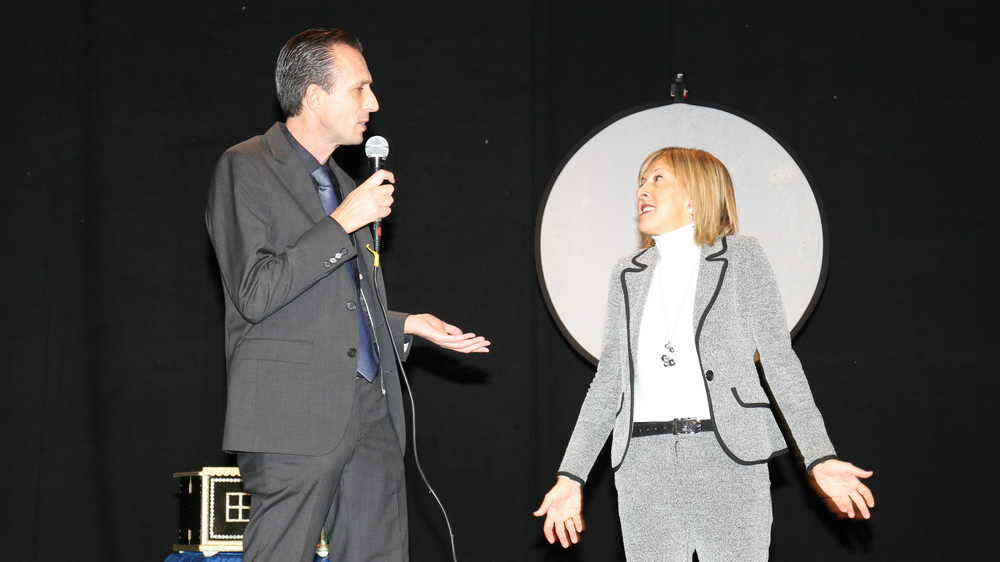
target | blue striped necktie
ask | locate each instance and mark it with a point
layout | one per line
(326, 185)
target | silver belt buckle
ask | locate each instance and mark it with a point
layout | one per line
(684, 426)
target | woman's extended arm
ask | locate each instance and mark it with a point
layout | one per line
(835, 480)
(597, 414)
(562, 506)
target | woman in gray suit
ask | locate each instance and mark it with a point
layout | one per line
(693, 427)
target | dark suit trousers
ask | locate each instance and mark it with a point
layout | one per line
(356, 492)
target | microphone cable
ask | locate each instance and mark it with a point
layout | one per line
(376, 275)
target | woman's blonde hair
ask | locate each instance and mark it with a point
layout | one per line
(708, 184)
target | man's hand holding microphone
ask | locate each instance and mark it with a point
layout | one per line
(370, 201)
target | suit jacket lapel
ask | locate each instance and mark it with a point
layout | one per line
(292, 174)
(711, 273)
(636, 279)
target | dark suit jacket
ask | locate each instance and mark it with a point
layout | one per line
(291, 319)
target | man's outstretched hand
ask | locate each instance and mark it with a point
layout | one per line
(444, 335)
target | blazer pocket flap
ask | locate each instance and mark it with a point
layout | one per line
(286, 351)
(745, 404)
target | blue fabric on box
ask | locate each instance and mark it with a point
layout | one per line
(220, 557)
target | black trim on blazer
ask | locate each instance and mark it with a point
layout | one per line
(571, 476)
(621, 404)
(697, 344)
(819, 460)
(628, 344)
(749, 404)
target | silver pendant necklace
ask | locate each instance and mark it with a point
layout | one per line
(675, 253)
(668, 357)
(669, 348)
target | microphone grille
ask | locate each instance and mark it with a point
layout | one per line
(377, 147)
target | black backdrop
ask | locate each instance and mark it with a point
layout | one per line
(113, 364)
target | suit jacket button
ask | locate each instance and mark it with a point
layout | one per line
(334, 260)
(709, 375)
(337, 256)
(352, 352)
(326, 264)
(349, 305)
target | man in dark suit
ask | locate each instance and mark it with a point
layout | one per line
(314, 408)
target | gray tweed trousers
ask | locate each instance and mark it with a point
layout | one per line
(680, 494)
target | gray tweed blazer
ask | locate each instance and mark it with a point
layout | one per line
(737, 311)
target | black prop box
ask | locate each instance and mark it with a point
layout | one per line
(214, 510)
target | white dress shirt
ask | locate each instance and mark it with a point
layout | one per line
(664, 393)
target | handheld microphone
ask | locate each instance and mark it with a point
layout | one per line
(377, 150)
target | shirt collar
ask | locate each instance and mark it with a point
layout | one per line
(676, 239)
(307, 158)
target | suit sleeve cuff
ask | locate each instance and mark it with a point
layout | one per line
(397, 321)
(811, 465)
(571, 476)
(326, 245)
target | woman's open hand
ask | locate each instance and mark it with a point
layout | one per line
(562, 508)
(839, 486)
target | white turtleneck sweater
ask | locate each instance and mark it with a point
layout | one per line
(664, 393)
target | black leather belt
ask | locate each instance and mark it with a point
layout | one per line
(675, 427)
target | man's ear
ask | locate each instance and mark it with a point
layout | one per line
(314, 96)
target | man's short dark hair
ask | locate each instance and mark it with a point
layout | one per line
(307, 58)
